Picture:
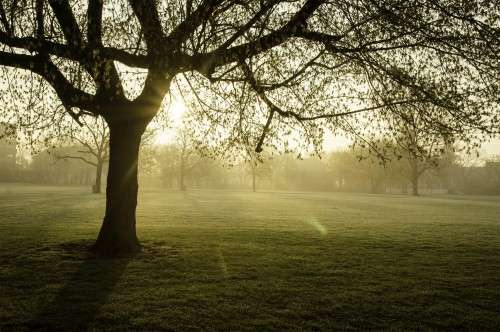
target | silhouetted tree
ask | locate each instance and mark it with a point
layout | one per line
(273, 64)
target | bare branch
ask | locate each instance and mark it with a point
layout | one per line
(69, 95)
(191, 23)
(147, 13)
(94, 22)
(77, 158)
(67, 21)
(205, 63)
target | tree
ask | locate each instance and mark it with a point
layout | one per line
(258, 166)
(295, 61)
(341, 165)
(93, 140)
(46, 167)
(419, 145)
(167, 156)
(355, 169)
(8, 147)
(449, 171)
(189, 158)
(179, 159)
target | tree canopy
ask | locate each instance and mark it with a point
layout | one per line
(288, 61)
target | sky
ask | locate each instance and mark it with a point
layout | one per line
(492, 147)
(175, 113)
(331, 142)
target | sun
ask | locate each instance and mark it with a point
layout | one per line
(164, 137)
(176, 111)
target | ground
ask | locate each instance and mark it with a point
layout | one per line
(228, 260)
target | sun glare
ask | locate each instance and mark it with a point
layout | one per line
(175, 111)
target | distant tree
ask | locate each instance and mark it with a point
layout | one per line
(46, 167)
(274, 65)
(450, 171)
(258, 166)
(189, 158)
(8, 147)
(167, 160)
(93, 141)
(285, 170)
(179, 159)
(420, 145)
(341, 165)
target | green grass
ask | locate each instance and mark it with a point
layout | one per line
(227, 260)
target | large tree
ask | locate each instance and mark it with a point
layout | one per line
(274, 64)
(92, 141)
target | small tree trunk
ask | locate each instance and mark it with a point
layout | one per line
(96, 188)
(118, 234)
(183, 187)
(414, 181)
(253, 179)
(181, 175)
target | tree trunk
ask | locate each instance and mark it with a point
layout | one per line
(181, 175)
(414, 181)
(117, 236)
(182, 186)
(96, 188)
(253, 179)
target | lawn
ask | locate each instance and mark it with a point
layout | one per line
(229, 260)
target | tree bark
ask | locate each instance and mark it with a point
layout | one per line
(117, 236)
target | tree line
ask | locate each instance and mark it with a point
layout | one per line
(178, 166)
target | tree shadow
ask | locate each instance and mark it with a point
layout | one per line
(79, 301)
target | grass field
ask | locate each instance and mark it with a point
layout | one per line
(225, 260)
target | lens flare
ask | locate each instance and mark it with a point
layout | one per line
(312, 221)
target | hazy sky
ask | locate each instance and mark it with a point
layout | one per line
(492, 147)
(331, 143)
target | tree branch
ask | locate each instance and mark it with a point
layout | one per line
(3, 19)
(78, 158)
(147, 14)
(205, 63)
(94, 22)
(71, 53)
(67, 21)
(69, 95)
(192, 22)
